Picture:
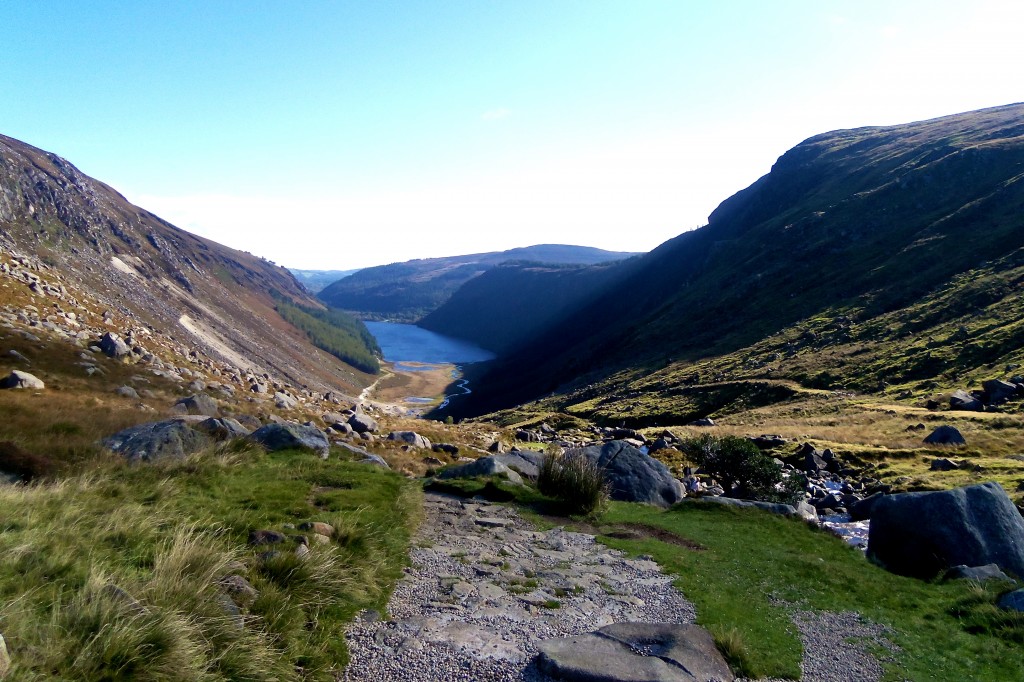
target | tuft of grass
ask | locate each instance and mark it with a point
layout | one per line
(729, 642)
(577, 482)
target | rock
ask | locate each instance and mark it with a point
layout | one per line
(411, 437)
(634, 476)
(363, 423)
(5, 657)
(127, 392)
(802, 510)
(920, 534)
(292, 436)
(1012, 601)
(705, 421)
(375, 460)
(222, 428)
(670, 653)
(239, 588)
(199, 403)
(114, 346)
(318, 527)
(496, 447)
(19, 379)
(768, 441)
(942, 464)
(171, 438)
(945, 435)
(525, 462)
(859, 511)
(334, 419)
(446, 448)
(962, 400)
(265, 537)
(976, 573)
(485, 466)
(283, 401)
(997, 391)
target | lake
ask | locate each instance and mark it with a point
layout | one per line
(409, 343)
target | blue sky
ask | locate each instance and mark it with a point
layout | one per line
(348, 134)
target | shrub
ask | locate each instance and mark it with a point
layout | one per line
(574, 480)
(742, 469)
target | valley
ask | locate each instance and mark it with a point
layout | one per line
(212, 474)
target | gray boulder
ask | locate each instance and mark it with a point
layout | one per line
(127, 392)
(363, 423)
(171, 438)
(945, 435)
(485, 466)
(19, 379)
(997, 390)
(921, 534)
(861, 510)
(635, 652)
(962, 400)
(222, 428)
(633, 476)
(943, 464)
(525, 462)
(292, 436)
(334, 419)
(801, 510)
(411, 438)
(978, 574)
(114, 346)
(199, 403)
(1012, 601)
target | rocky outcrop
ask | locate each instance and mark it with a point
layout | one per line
(634, 476)
(921, 534)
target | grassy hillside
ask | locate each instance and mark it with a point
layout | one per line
(405, 292)
(849, 229)
(336, 332)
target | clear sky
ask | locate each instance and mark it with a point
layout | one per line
(345, 134)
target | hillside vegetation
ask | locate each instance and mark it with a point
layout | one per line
(336, 332)
(405, 292)
(870, 258)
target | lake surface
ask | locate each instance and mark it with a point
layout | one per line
(409, 343)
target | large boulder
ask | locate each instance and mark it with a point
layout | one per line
(635, 652)
(525, 462)
(801, 510)
(921, 534)
(289, 436)
(485, 466)
(997, 390)
(19, 379)
(222, 428)
(363, 423)
(633, 476)
(410, 438)
(171, 438)
(962, 400)
(114, 346)
(199, 403)
(945, 435)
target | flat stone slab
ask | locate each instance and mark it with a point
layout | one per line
(493, 522)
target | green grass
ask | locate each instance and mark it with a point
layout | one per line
(165, 535)
(754, 567)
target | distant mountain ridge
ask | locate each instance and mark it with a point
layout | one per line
(316, 280)
(409, 290)
(866, 258)
(193, 292)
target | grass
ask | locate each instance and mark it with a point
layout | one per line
(116, 574)
(577, 482)
(754, 568)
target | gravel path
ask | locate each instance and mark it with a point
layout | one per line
(484, 587)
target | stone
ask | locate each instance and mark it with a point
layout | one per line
(5, 657)
(768, 441)
(411, 438)
(239, 588)
(962, 400)
(334, 419)
(113, 346)
(289, 436)
(318, 527)
(524, 462)
(485, 466)
(704, 421)
(945, 435)
(920, 534)
(199, 403)
(976, 573)
(363, 423)
(171, 438)
(1012, 601)
(942, 464)
(860, 511)
(446, 448)
(265, 537)
(633, 476)
(19, 379)
(127, 392)
(376, 461)
(635, 652)
(997, 391)
(801, 510)
(222, 428)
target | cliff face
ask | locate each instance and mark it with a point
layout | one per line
(192, 290)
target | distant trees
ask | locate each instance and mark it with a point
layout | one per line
(334, 332)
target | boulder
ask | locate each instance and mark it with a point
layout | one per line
(114, 346)
(962, 400)
(635, 652)
(997, 391)
(411, 438)
(1012, 601)
(199, 403)
(19, 379)
(363, 423)
(292, 436)
(704, 421)
(768, 441)
(127, 392)
(334, 419)
(945, 435)
(860, 511)
(485, 466)
(446, 448)
(921, 534)
(633, 476)
(976, 573)
(524, 436)
(525, 462)
(801, 510)
(943, 464)
(222, 428)
(171, 438)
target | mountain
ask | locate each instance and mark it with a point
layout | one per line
(884, 258)
(408, 291)
(316, 280)
(161, 286)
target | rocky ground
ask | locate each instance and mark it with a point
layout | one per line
(485, 588)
